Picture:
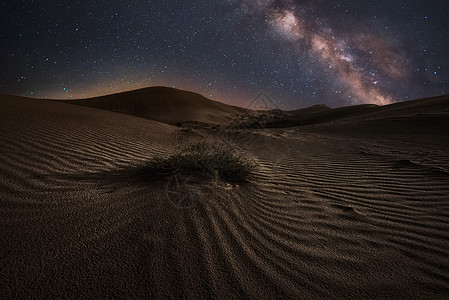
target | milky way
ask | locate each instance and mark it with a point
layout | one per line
(294, 25)
(299, 52)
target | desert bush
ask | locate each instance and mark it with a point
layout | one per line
(204, 159)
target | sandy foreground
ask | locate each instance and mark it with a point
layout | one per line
(357, 208)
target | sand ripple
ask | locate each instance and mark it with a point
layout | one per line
(324, 217)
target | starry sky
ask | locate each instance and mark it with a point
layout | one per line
(300, 52)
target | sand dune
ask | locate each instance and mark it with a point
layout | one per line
(357, 209)
(322, 114)
(164, 104)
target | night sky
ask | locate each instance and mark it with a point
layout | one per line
(300, 53)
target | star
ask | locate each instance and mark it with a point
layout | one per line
(299, 52)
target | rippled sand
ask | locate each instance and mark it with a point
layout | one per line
(351, 210)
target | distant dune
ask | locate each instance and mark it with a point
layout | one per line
(320, 114)
(164, 104)
(351, 204)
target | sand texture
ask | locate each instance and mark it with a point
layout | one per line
(353, 205)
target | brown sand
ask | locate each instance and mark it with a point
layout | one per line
(355, 209)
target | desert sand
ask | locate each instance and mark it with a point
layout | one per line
(344, 203)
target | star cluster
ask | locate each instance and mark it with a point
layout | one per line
(299, 52)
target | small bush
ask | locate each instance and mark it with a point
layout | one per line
(203, 159)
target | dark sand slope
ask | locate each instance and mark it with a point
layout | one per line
(354, 211)
(319, 114)
(164, 104)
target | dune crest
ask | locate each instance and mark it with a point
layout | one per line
(163, 104)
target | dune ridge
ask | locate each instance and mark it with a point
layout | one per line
(164, 104)
(320, 114)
